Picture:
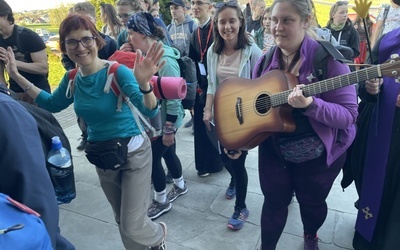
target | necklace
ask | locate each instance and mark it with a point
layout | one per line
(286, 58)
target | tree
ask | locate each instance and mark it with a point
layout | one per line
(58, 14)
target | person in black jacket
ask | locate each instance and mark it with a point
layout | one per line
(23, 174)
(87, 9)
(206, 156)
(342, 28)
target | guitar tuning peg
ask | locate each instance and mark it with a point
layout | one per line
(393, 56)
(394, 73)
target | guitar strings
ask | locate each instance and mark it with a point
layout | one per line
(281, 97)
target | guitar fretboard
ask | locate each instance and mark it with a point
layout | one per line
(329, 84)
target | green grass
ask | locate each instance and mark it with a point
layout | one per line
(45, 26)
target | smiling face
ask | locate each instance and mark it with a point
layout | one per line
(340, 16)
(81, 55)
(287, 27)
(229, 25)
(201, 8)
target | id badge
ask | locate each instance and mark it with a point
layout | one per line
(202, 69)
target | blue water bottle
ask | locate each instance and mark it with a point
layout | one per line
(61, 171)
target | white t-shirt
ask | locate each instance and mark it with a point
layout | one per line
(392, 20)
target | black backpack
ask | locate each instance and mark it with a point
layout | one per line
(48, 126)
(324, 51)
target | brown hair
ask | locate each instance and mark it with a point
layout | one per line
(76, 22)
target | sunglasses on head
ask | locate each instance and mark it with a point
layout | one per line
(223, 4)
(199, 3)
(126, 15)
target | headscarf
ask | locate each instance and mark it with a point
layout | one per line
(144, 23)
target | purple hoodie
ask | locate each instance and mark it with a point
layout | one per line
(332, 114)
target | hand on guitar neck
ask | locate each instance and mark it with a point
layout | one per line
(296, 99)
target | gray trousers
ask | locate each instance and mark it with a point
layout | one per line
(128, 191)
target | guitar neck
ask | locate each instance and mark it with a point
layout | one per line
(329, 84)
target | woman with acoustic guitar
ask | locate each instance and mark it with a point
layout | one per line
(307, 160)
(231, 54)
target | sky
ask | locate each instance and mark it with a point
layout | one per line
(21, 5)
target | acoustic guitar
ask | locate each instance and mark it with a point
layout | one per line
(246, 112)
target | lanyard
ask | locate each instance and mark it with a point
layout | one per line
(203, 51)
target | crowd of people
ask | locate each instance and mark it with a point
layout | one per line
(327, 132)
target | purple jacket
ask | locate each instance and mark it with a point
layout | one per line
(332, 114)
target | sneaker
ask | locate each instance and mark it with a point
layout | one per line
(82, 144)
(238, 218)
(156, 209)
(311, 242)
(203, 174)
(168, 178)
(163, 244)
(230, 193)
(189, 123)
(175, 192)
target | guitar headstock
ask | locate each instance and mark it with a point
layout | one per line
(391, 67)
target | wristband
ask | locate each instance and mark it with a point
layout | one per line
(29, 87)
(169, 129)
(145, 92)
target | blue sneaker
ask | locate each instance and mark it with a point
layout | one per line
(230, 193)
(238, 218)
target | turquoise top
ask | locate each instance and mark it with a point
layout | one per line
(97, 108)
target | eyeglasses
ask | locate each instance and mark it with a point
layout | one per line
(199, 3)
(223, 4)
(86, 42)
(126, 15)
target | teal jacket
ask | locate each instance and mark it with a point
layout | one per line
(171, 107)
(97, 108)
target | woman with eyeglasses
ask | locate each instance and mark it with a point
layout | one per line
(127, 187)
(307, 160)
(112, 25)
(232, 54)
(143, 33)
(342, 28)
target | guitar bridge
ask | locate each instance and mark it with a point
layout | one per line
(239, 114)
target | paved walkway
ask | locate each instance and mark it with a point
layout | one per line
(198, 219)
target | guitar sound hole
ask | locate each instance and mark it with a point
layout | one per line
(263, 103)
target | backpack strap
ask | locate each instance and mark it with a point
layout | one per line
(265, 60)
(191, 23)
(19, 35)
(324, 50)
(70, 88)
(113, 84)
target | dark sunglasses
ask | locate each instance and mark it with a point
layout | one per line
(223, 4)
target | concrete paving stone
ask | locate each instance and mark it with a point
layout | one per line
(89, 233)
(198, 220)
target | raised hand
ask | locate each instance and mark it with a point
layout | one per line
(7, 57)
(146, 68)
(362, 8)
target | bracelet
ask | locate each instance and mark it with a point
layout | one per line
(145, 92)
(29, 87)
(169, 129)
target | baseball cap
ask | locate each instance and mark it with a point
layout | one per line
(177, 2)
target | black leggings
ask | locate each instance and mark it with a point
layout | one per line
(239, 177)
(171, 160)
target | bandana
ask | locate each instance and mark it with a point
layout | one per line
(143, 23)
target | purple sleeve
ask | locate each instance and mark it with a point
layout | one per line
(335, 108)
